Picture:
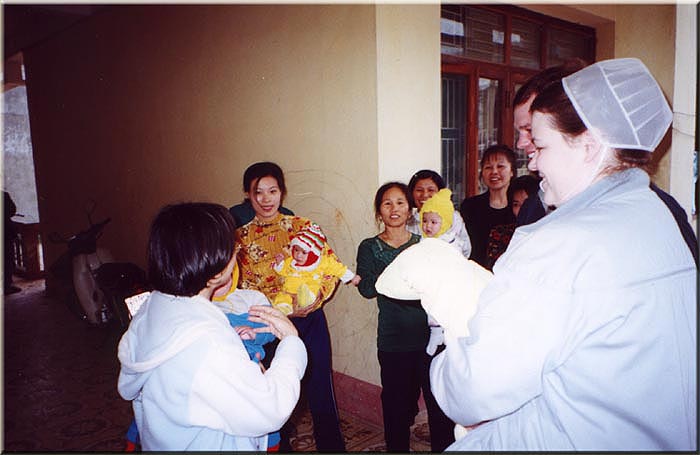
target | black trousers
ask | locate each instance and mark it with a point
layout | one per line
(317, 385)
(404, 375)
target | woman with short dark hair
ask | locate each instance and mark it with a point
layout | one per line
(242, 213)
(488, 216)
(262, 239)
(402, 329)
(187, 372)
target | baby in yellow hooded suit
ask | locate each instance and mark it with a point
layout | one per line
(303, 270)
(435, 222)
(435, 272)
(436, 217)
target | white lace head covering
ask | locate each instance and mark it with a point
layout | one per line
(621, 103)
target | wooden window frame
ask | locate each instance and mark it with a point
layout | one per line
(508, 75)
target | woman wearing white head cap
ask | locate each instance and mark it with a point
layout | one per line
(585, 339)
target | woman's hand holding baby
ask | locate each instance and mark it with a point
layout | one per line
(275, 321)
(302, 312)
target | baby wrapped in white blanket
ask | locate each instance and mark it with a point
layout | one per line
(447, 284)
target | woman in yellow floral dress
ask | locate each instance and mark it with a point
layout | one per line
(266, 236)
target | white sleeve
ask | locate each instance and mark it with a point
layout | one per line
(230, 392)
(500, 366)
(347, 276)
(462, 234)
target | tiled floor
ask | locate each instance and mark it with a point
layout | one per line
(360, 436)
(60, 385)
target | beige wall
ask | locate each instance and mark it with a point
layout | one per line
(653, 42)
(408, 87)
(684, 108)
(144, 105)
(408, 139)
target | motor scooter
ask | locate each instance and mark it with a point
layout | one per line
(94, 285)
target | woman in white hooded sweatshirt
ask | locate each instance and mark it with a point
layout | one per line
(191, 380)
(585, 338)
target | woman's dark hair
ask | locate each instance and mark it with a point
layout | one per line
(422, 175)
(380, 195)
(262, 169)
(500, 149)
(189, 244)
(627, 158)
(564, 118)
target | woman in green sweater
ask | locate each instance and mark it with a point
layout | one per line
(402, 332)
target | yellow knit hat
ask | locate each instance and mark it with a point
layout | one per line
(440, 203)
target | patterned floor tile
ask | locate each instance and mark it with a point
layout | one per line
(60, 381)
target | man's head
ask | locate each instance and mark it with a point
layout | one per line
(526, 94)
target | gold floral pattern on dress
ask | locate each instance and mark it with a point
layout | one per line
(261, 241)
(288, 225)
(256, 252)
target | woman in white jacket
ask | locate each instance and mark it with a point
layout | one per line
(585, 339)
(191, 380)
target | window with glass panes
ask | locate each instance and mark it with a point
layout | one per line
(488, 52)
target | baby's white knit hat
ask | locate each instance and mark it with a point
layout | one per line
(621, 103)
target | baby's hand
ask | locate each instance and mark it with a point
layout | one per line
(246, 332)
(279, 257)
(355, 280)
